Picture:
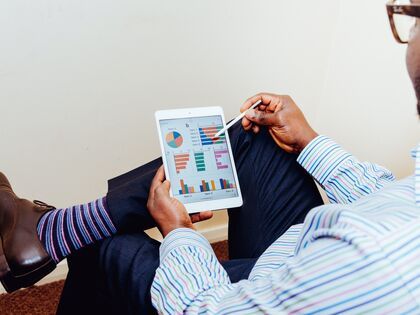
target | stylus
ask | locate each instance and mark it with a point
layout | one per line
(222, 131)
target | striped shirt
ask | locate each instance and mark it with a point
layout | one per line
(358, 254)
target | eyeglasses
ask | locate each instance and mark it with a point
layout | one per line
(402, 17)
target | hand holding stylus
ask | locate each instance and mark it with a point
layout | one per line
(234, 121)
(283, 118)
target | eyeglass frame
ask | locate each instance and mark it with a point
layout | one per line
(402, 9)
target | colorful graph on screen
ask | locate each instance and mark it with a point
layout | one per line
(185, 189)
(225, 184)
(174, 139)
(211, 185)
(199, 161)
(181, 161)
(207, 186)
(222, 159)
(207, 134)
(199, 165)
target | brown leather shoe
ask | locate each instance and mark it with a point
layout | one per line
(23, 259)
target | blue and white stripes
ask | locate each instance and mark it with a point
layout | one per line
(360, 254)
(63, 231)
(194, 273)
(343, 177)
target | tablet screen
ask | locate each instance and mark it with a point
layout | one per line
(200, 167)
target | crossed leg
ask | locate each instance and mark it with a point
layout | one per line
(115, 275)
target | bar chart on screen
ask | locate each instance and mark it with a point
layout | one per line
(207, 186)
(207, 134)
(199, 165)
(211, 185)
(181, 161)
(222, 159)
(185, 189)
(200, 161)
(226, 184)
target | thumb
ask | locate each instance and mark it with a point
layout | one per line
(166, 186)
(163, 189)
(262, 118)
(201, 216)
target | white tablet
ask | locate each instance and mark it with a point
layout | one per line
(201, 169)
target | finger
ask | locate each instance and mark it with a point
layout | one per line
(255, 128)
(277, 103)
(159, 176)
(163, 189)
(250, 101)
(263, 118)
(246, 123)
(157, 180)
(166, 185)
(262, 107)
(265, 99)
(201, 216)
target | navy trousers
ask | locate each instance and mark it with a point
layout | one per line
(114, 276)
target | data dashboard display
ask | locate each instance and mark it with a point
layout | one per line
(199, 165)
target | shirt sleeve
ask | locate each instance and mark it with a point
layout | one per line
(190, 280)
(336, 273)
(343, 177)
(188, 268)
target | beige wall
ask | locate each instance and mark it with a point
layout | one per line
(80, 80)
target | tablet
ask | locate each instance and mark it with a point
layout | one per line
(201, 169)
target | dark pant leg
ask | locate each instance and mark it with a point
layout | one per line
(115, 276)
(127, 198)
(239, 269)
(84, 290)
(276, 190)
(112, 277)
(128, 264)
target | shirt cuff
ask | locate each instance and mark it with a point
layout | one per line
(183, 237)
(321, 157)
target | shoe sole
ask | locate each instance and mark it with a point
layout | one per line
(12, 282)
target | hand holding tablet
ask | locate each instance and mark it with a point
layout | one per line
(200, 167)
(168, 212)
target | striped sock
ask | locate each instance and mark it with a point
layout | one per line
(63, 231)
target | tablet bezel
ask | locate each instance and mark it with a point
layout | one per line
(181, 113)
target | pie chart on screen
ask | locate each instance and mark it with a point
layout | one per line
(174, 139)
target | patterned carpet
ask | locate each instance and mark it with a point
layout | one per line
(43, 300)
